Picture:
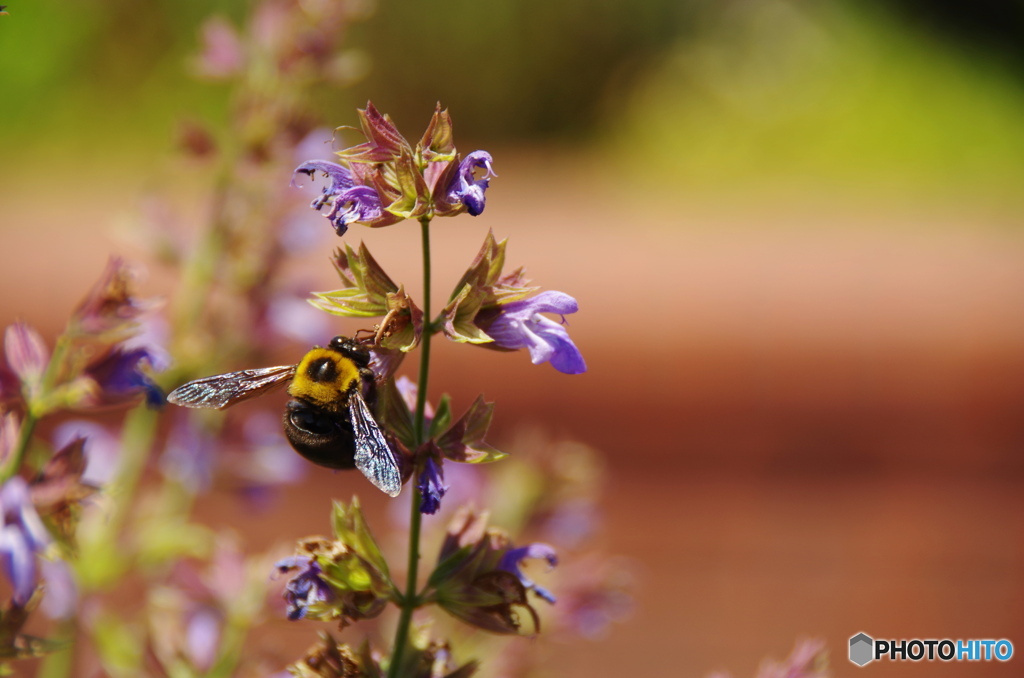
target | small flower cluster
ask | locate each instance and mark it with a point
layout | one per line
(478, 577)
(103, 358)
(385, 180)
(486, 308)
(344, 579)
(330, 659)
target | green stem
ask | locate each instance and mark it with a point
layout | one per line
(137, 437)
(59, 664)
(421, 388)
(24, 437)
(410, 601)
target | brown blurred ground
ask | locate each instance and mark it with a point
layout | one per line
(811, 415)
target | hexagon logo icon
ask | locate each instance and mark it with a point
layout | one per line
(862, 648)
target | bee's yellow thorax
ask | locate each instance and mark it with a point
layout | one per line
(324, 377)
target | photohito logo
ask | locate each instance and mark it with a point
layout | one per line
(865, 649)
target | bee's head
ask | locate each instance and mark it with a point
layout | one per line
(351, 349)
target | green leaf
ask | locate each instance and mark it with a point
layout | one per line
(351, 529)
(395, 415)
(442, 416)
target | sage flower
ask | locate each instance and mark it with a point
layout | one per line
(478, 580)
(22, 537)
(469, 190)
(347, 203)
(431, 486)
(306, 588)
(520, 324)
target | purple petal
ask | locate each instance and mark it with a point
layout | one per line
(550, 301)
(102, 449)
(292, 562)
(340, 176)
(293, 317)
(565, 357)
(121, 375)
(431, 486)
(202, 638)
(466, 188)
(61, 593)
(304, 590)
(25, 351)
(510, 563)
(19, 512)
(521, 325)
(188, 456)
(477, 160)
(361, 204)
(19, 563)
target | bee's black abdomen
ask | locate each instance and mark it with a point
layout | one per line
(322, 437)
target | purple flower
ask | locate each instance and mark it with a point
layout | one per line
(121, 375)
(203, 636)
(110, 310)
(348, 202)
(223, 54)
(510, 563)
(431, 486)
(268, 462)
(468, 189)
(188, 456)
(61, 591)
(307, 588)
(521, 325)
(26, 353)
(22, 536)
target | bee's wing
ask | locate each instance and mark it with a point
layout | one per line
(224, 390)
(373, 456)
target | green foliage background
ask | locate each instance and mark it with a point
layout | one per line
(773, 93)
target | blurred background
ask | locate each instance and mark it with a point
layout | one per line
(794, 230)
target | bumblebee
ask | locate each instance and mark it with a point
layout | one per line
(328, 420)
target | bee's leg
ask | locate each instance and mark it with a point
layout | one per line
(369, 384)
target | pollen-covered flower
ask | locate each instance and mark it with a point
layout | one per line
(307, 588)
(520, 324)
(343, 579)
(478, 579)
